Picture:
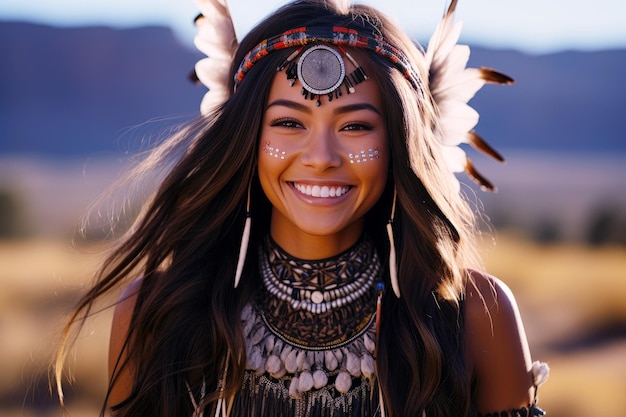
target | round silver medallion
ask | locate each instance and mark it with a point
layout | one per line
(321, 69)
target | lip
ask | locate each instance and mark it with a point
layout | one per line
(319, 193)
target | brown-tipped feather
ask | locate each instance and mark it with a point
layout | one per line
(452, 7)
(492, 76)
(193, 77)
(478, 143)
(476, 176)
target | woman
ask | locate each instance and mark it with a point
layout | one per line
(360, 294)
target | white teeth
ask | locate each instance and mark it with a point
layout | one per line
(323, 191)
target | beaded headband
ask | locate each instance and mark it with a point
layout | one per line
(335, 35)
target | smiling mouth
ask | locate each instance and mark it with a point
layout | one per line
(323, 191)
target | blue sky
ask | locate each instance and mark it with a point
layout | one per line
(537, 26)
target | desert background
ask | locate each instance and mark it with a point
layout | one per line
(78, 103)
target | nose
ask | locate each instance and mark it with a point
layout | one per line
(321, 151)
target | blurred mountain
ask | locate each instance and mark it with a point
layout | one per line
(90, 91)
(566, 101)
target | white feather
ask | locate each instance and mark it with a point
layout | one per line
(452, 85)
(540, 371)
(443, 41)
(215, 38)
(343, 6)
(454, 157)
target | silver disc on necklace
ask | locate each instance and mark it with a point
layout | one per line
(321, 69)
(317, 297)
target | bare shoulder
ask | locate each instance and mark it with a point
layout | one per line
(498, 352)
(487, 296)
(124, 309)
(121, 378)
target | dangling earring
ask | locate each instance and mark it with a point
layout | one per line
(243, 250)
(393, 267)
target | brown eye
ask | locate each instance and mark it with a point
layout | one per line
(356, 126)
(286, 123)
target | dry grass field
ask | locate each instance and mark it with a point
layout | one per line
(572, 299)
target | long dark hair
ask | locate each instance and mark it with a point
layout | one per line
(185, 329)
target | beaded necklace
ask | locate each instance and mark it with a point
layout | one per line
(298, 282)
(304, 360)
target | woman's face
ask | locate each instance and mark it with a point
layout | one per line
(322, 168)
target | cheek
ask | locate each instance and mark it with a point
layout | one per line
(272, 161)
(371, 164)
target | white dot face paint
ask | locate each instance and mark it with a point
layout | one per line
(365, 155)
(275, 152)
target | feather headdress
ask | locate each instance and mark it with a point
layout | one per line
(216, 38)
(452, 85)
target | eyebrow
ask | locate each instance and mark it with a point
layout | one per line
(339, 110)
(355, 107)
(291, 104)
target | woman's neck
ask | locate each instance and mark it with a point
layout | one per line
(304, 245)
